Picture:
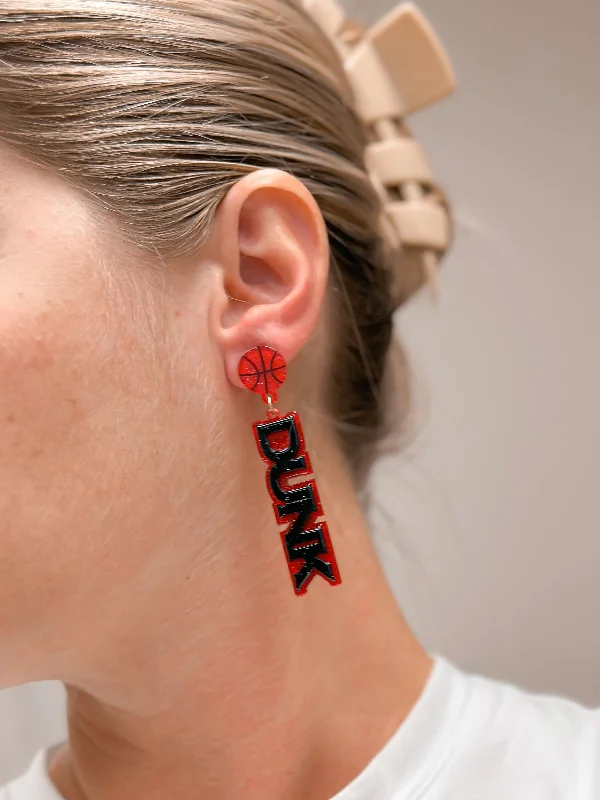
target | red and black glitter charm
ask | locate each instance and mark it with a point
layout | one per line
(280, 440)
(263, 370)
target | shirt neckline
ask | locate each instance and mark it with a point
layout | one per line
(410, 761)
(403, 769)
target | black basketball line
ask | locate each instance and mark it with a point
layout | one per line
(262, 360)
(274, 370)
(273, 354)
(264, 369)
(256, 373)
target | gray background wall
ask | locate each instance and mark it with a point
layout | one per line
(488, 524)
(498, 503)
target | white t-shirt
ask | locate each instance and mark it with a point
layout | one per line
(466, 738)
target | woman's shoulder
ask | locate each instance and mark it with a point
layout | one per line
(473, 736)
(505, 702)
(547, 744)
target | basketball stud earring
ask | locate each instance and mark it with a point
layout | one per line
(280, 440)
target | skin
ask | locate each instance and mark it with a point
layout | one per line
(141, 564)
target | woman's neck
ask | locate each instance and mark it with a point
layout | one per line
(265, 695)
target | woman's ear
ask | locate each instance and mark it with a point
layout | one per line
(270, 241)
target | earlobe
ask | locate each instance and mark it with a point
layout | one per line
(274, 255)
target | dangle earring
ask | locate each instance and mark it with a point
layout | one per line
(280, 440)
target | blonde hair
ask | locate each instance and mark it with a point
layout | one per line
(155, 108)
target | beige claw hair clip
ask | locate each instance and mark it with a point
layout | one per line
(396, 68)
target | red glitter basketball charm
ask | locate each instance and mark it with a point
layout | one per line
(262, 370)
